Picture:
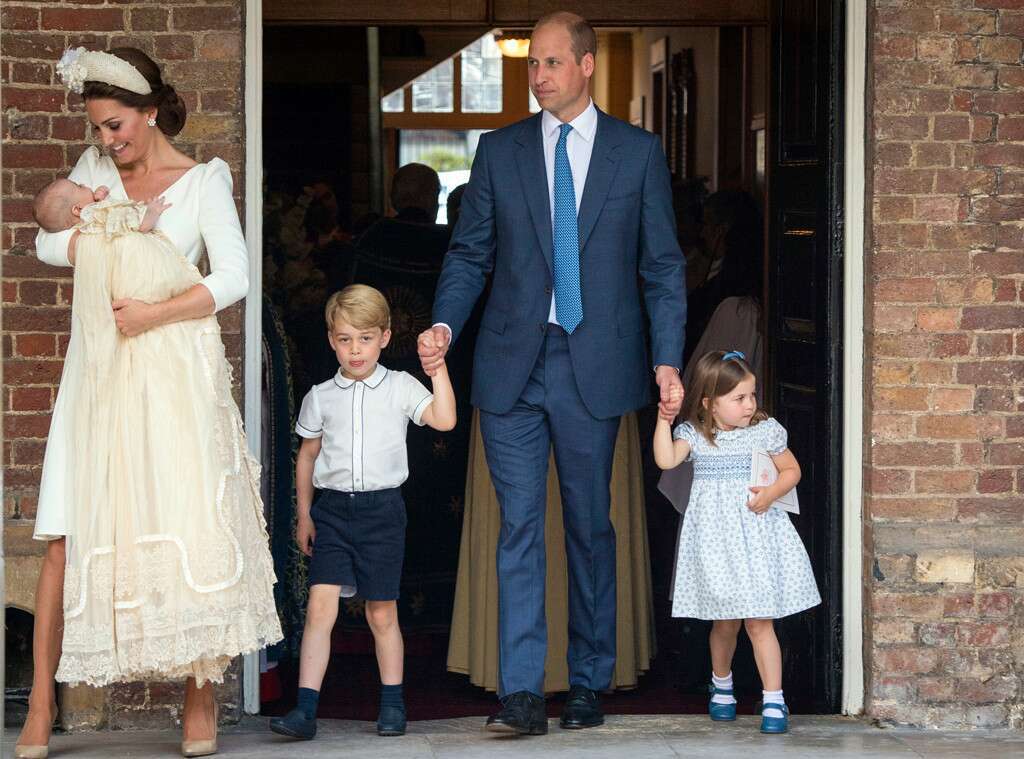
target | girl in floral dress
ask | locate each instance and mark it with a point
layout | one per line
(740, 561)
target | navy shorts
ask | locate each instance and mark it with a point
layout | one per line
(360, 542)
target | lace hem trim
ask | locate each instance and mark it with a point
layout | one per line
(203, 653)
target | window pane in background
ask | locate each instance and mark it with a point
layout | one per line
(449, 152)
(432, 91)
(393, 103)
(481, 76)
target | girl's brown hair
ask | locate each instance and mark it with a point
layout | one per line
(170, 110)
(713, 377)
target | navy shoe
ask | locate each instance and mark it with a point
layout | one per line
(391, 720)
(775, 724)
(721, 712)
(295, 725)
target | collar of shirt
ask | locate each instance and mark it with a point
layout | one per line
(585, 125)
(375, 378)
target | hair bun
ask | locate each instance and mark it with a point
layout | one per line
(171, 112)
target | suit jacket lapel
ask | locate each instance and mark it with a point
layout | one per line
(534, 178)
(604, 162)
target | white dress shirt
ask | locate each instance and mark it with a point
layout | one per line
(202, 218)
(362, 424)
(579, 144)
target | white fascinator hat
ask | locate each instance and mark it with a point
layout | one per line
(78, 66)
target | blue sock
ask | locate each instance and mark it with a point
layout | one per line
(391, 695)
(308, 700)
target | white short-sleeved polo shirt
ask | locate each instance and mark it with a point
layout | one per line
(363, 425)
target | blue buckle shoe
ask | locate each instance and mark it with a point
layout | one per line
(721, 712)
(775, 724)
(295, 725)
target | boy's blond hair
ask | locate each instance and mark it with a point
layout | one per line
(362, 306)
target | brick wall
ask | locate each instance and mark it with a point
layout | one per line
(200, 48)
(945, 464)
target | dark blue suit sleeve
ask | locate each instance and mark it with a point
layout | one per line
(471, 252)
(661, 262)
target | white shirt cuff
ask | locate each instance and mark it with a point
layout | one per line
(442, 324)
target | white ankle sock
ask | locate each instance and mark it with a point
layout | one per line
(773, 697)
(725, 683)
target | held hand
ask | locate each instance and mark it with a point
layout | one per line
(133, 317)
(671, 393)
(305, 535)
(669, 410)
(759, 503)
(100, 193)
(432, 346)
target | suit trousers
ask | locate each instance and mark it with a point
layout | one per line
(518, 444)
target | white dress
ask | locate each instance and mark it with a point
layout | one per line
(733, 563)
(202, 218)
(168, 569)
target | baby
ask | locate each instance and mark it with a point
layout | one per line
(61, 205)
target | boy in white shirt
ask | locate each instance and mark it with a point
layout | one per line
(353, 449)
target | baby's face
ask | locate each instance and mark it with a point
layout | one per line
(78, 194)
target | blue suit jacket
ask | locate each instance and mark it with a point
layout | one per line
(628, 247)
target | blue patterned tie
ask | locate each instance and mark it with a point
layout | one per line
(566, 263)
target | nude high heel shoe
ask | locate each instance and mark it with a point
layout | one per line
(204, 747)
(31, 752)
(22, 751)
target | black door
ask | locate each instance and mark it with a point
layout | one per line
(804, 328)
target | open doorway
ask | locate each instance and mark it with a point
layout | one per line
(730, 89)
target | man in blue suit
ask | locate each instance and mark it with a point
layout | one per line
(572, 212)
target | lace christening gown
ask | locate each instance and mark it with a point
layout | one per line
(168, 568)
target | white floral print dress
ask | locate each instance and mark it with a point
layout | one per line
(733, 563)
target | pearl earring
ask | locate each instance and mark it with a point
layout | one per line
(151, 122)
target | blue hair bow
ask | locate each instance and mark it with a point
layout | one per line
(733, 354)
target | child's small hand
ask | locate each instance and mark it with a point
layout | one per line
(100, 193)
(157, 205)
(759, 503)
(669, 410)
(305, 534)
(154, 207)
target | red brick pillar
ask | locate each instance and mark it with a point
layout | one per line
(200, 48)
(945, 460)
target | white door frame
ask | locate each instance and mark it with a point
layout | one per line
(853, 359)
(853, 326)
(253, 323)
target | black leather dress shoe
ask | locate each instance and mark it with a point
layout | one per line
(582, 709)
(521, 712)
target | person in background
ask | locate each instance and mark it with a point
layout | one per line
(733, 233)
(412, 235)
(453, 206)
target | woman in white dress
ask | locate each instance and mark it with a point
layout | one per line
(162, 567)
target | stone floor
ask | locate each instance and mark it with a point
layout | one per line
(636, 737)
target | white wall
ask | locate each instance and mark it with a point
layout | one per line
(704, 41)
